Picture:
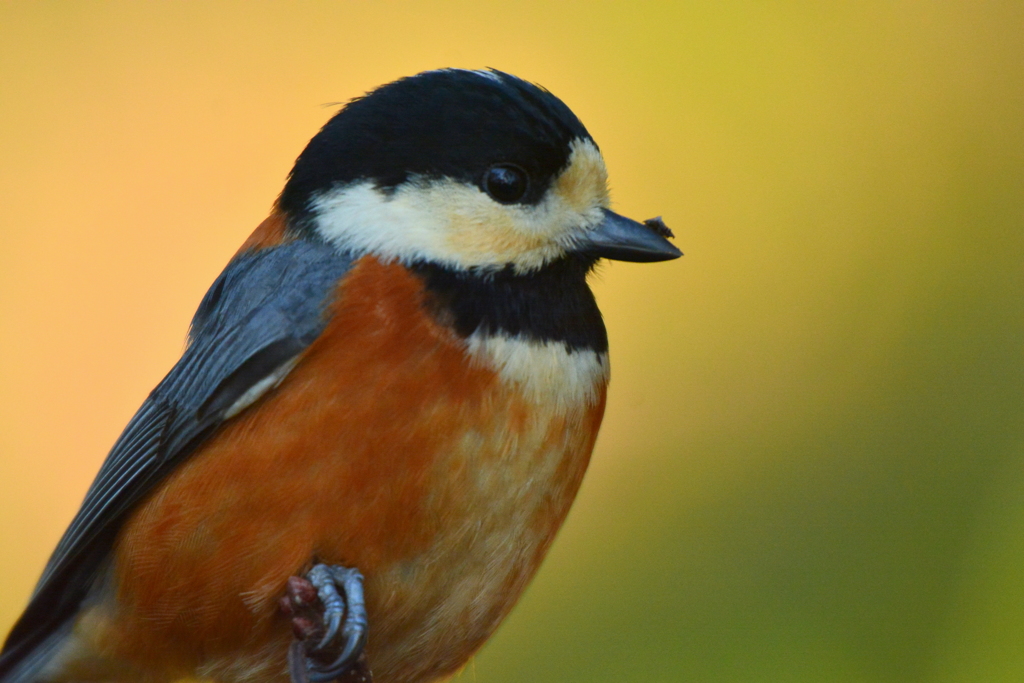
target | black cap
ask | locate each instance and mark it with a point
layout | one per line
(449, 123)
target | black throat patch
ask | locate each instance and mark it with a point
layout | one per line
(551, 304)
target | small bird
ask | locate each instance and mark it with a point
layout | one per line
(385, 408)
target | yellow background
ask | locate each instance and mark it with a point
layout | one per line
(812, 467)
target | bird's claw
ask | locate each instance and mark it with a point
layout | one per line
(328, 608)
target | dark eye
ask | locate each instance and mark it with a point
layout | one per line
(506, 183)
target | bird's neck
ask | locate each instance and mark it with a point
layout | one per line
(553, 304)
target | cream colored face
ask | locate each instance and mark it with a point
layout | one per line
(459, 225)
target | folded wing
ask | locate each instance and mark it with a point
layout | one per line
(249, 331)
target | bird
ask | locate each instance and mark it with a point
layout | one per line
(384, 410)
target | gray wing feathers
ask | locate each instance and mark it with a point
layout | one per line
(269, 299)
(263, 310)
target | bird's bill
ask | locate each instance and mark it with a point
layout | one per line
(623, 239)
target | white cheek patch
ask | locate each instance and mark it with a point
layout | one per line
(441, 221)
(583, 185)
(361, 218)
(456, 224)
(545, 372)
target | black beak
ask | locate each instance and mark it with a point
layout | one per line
(623, 239)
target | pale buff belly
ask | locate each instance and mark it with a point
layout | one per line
(504, 497)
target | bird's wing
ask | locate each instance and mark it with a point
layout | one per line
(259, 315)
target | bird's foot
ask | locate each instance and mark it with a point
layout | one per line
(328, 616)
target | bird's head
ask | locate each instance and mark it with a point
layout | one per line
(464, 169)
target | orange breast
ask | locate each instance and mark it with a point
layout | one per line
(385, 449)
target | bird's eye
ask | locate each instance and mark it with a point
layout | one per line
(506, 183)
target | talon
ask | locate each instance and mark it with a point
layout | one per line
(322, 578)
(330, 602)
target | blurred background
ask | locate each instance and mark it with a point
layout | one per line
(812, 466)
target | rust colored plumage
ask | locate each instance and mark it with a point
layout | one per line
(385, 449)
(272, 231)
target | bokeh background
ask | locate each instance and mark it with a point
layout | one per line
(812, 467)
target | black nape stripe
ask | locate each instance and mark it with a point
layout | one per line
(551, 304)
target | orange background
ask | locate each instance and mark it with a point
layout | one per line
(813, 463)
